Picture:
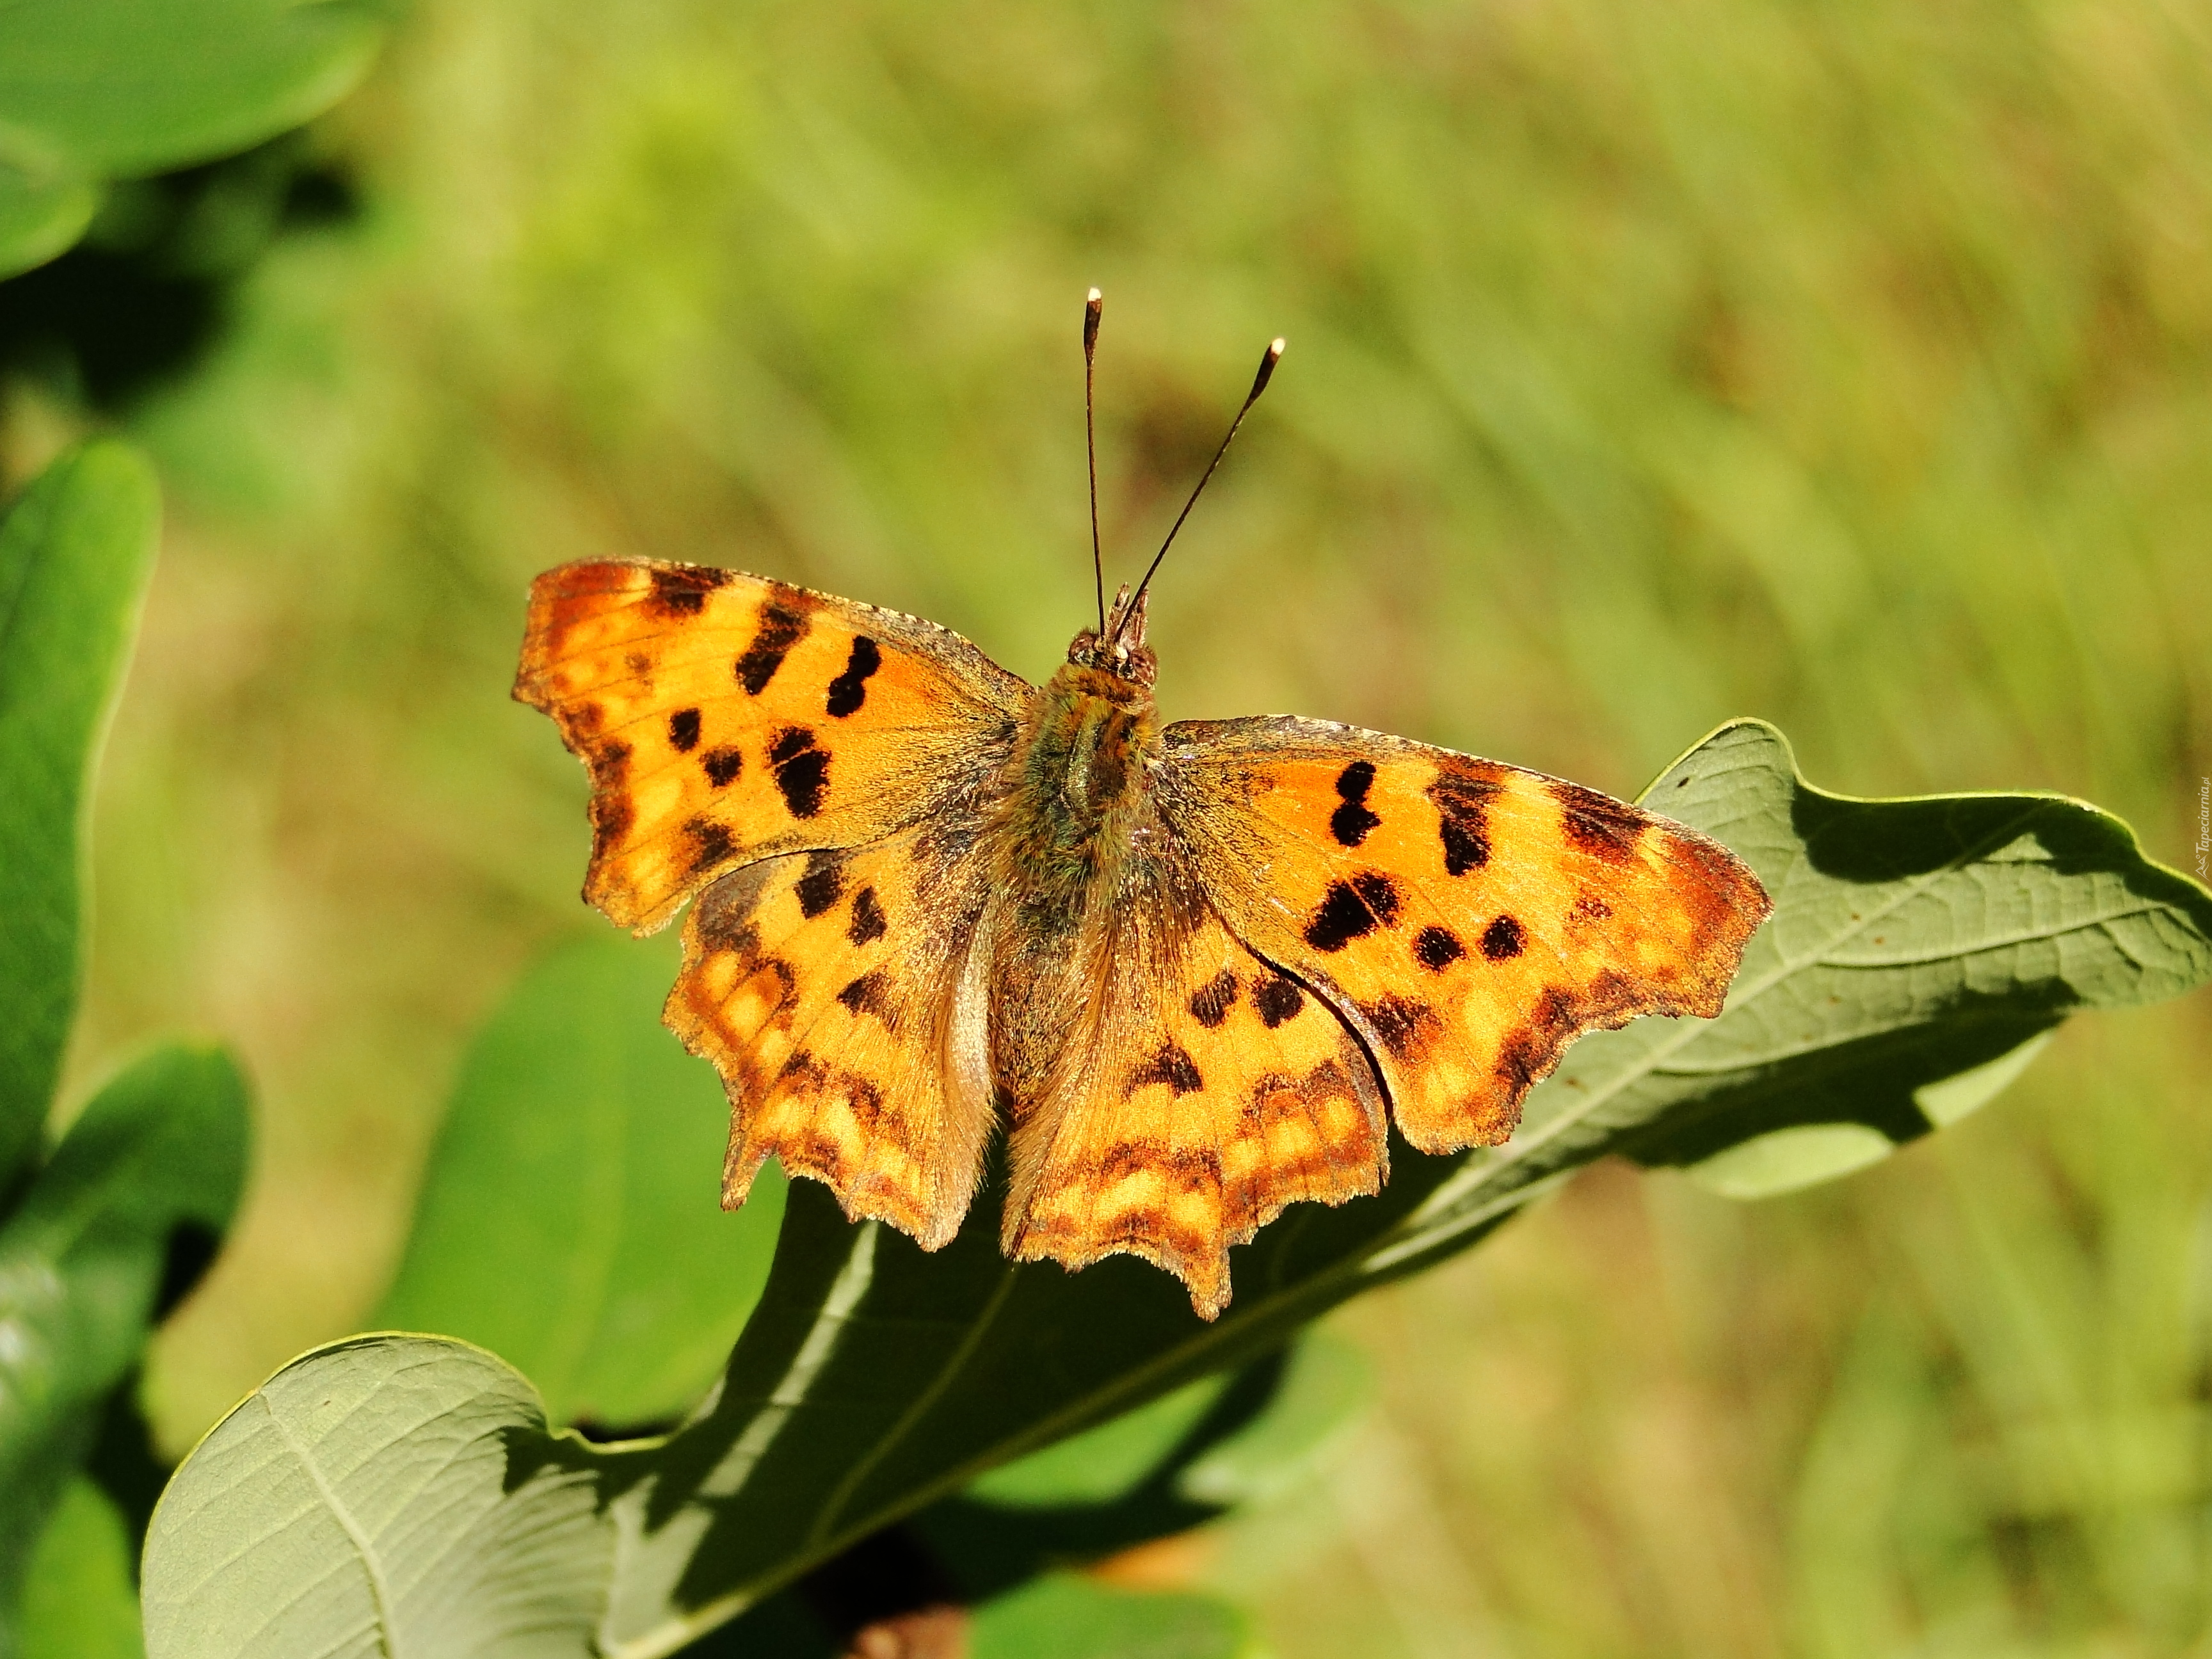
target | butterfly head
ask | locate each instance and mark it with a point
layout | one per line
(1120, 649)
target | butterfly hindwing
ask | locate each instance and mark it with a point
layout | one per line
(728, 717)
(1468, 919)
(826, 986)
(1203, 1092)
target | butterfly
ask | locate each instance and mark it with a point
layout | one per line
(1194, 969)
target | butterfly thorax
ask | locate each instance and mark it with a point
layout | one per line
(1079, 797)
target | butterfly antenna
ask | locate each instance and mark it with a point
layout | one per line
(1094, 307)
(1268, 361)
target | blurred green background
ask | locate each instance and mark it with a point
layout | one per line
(1847, 365)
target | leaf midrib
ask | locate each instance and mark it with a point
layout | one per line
(916, 1409)
(2027, 936)
(380, 1592)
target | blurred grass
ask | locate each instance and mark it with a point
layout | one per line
(1846, 365)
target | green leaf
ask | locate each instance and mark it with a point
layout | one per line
(42, 211)
(1065, 1617)
(1161, 1469)
(157, 1158)
(1920, 954)
(570, 1220)
(1914, 944)
(79, 1599)
(122, 87)
(385, 1495)
(74, 554)
(1327, 1383)
(1100, 1465)
(1216, 1442)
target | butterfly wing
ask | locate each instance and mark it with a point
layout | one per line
(1469, 919)
(811, 767)
(726, 718)
(1201, 1092)
(832, 991)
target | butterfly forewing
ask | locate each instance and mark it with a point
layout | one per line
(1204, 1093)
(726, 718)
(1468, 919)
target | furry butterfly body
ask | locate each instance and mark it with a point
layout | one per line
(1194, 970)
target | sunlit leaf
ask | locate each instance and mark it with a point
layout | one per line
(388, 1495)
(75, 553)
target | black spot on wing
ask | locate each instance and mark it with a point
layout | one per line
(1352, 820)
(1278, 1000)
(1437, 948)
(1341, 919)
(610, 766)
(722, 765)
(801, 767)
(1405, 1027)
(780, 628)
(1379, 894)
(683, 730)
(682, 590)
(1462, 803)
(711, 841)
(1211, 1003)
(1598, 824)
(1503, 938)
(726, 929)
(612, 811)
(611, 816)
(867, 1101)
(870, 994)
(850, 688)
(1352, 910)
(1172, 1065)
(868, 923)
(1531, 1050)
(822, 884)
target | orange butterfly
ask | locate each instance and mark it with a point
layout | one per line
(1192, 966)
